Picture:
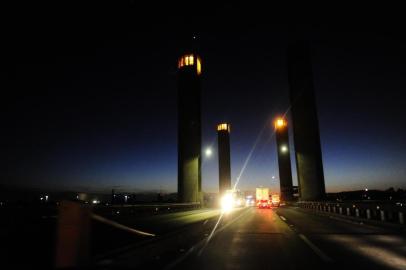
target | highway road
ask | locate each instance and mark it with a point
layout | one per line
(251, 238)
(107, 239)
(291, 238)
(248, 238)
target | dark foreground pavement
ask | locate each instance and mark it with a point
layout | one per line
(249, 238)
(291, 238)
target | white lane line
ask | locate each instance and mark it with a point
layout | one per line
(201, 243)
(316, 250)
(283, 218)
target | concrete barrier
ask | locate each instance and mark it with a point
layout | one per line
(368, 214)
(382, 215)
(72, 248)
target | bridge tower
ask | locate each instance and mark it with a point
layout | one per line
(305, 123)
(285, 170)
(189, 128)
(223, 137)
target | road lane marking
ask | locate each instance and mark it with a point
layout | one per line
(316, 250)
(283, 218)
(201, 243)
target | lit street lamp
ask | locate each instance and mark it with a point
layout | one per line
(208, 152)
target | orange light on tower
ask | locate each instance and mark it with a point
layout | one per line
(280, 123)
(223, 126)
(191, 60)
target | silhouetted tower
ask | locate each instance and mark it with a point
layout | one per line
(223, 135)
(305, 123)
(189, 129)
(285, 170)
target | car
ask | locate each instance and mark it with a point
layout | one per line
(263, 204)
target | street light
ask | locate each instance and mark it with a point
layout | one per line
(280, 123)
(284, 149)
(208, 152)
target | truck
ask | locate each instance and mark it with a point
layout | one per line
(262, 198)
(275, 200)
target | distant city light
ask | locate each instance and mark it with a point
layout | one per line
(366, 189)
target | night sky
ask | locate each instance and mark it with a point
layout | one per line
(89, 95)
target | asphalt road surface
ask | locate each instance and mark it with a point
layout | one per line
(291, 238)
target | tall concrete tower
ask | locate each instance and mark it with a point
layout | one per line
(305, 123)
(285, 170)
(189, 129)
(223, 135)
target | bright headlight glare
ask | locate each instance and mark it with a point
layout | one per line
(227, 203)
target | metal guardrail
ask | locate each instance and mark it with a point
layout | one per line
(393, 213)
(120, 226)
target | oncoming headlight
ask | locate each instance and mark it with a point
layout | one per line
(227, 203)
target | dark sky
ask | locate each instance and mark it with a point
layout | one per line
(89, 94)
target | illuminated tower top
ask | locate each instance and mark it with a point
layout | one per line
(223, 126)
(280, 123)
(190, 60)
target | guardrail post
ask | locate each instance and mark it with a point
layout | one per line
(390, 215)
(334, 209)
(401, 218)
(340, 210)
(357, 212)
(329, 208)
(348, 211)
(368, 214)
(72, 247)
(382, 215)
